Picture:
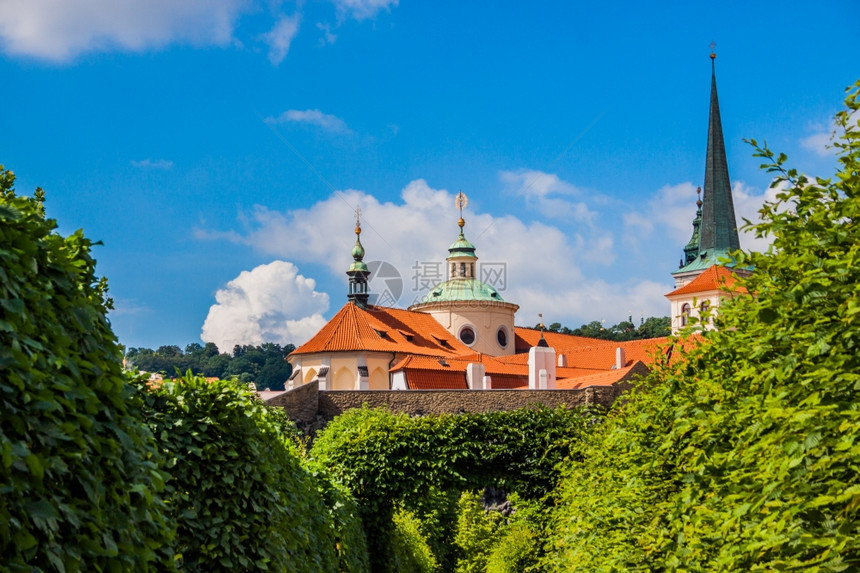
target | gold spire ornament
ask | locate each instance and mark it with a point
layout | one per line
(460, 201)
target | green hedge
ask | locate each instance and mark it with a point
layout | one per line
(237, 492)
(744, 456)
(78, 477)
(386, 459)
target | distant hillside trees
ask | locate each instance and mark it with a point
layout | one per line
(265, 365)
(651, 327)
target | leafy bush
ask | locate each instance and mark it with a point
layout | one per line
(477, 533)
(744, 456)
(386, 458)
(78, 477)
(344, 521)
(515, 551)
(410, 552)
(237, 492)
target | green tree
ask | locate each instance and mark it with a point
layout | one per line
(654, 327)
(79, 482)
(743, 456)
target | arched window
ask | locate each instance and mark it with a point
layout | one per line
(685, 313)
(463, 270)
(703, 311)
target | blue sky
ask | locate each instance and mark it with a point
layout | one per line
(217, 148)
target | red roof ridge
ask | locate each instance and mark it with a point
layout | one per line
(715, 277)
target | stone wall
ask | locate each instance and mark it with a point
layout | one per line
(301, 403)
(419, 402)
(312, 409)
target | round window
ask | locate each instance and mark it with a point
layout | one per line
(502, 337)
(467, 335)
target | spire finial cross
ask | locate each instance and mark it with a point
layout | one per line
(358, 219)
(460, 201)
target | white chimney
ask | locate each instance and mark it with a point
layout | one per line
(620, 358)
(541, 358)
(475, 376)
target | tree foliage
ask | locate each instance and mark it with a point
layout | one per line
(652, 327)
(237, 493)
(264, 365)
(744, 455)
(79, 484)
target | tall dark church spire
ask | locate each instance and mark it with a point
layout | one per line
(715, 227)
(719, 231)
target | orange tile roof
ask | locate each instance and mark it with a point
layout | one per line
(435, 380)
(432, 358)
(525, 338)
(604, 378)
(509, 382)
(583, 352)
(383, 330)
(715, 277)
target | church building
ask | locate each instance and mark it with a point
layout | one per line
(707, 268)
(462, 334)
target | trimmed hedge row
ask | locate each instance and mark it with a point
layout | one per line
(79, 484)
(237, 493)
(99, 472)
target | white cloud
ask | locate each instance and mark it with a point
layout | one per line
(363, 9)
(748, 202)
(281, 36)
(326, 121)
(329, 37)
(270, 303)
(821, 141)
(128, 307)
(59, 30)
(152, 164)
(546, 269)
(670, 212)
(548, 194)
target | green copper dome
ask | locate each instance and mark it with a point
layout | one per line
(461, 247)
(357, 255)
(462, 290)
